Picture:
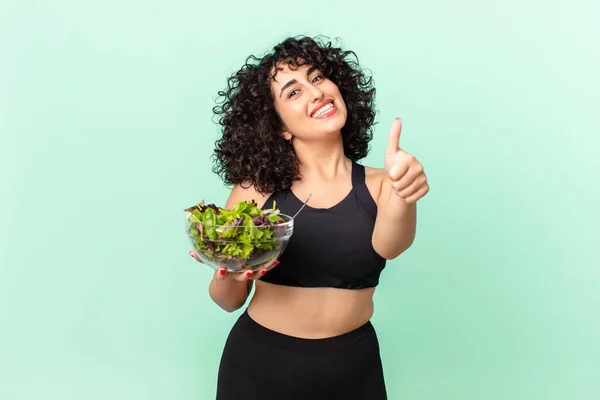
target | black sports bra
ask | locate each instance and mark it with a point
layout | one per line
(330, 247)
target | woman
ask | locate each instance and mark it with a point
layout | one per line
(295, 123)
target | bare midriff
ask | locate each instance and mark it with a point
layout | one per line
(311, 313)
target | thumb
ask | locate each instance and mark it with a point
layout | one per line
(394, 137)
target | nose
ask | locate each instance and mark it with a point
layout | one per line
(316, 94)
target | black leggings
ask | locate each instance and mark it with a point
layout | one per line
(259, 363)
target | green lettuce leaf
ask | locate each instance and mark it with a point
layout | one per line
(233, 233)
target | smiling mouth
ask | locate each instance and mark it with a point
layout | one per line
(324, 111)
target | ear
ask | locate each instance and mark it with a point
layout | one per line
(286, 135)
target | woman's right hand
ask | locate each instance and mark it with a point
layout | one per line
(244, 275)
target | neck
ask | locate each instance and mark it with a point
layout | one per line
(323, 159)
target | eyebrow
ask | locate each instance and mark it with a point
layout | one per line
(293, 81)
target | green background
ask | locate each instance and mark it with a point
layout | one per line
(105, 117)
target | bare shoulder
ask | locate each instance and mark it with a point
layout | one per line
(245, 192)
(374, 179)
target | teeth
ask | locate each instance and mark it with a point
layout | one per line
(323, 110)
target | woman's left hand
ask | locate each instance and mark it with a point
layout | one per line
(408, 178)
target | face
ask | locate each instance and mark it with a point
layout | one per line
(309, 104)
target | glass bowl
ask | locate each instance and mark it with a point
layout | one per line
(238, 253)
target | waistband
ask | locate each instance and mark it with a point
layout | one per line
(262, 333)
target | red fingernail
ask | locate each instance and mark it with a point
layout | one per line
(276, 263)
(248, 274)
(263, 271)
(191, 254)
(222, 271)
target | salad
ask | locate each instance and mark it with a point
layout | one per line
(234, 234)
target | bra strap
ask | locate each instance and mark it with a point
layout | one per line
(360, 189)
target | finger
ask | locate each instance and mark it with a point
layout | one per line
(410, 168)
(408, 180)
(418, 194)
(266, 268)
(399, 170)
(195, 256)
(244, 275)
(221, 274)
(394, 137)
(271, 264)
(260, 273)
(412, 188)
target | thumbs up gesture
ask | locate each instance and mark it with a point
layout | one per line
(406, 173)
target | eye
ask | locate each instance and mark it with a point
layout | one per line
(293, 92)
(317, 78)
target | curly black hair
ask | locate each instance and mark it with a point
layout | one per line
(252, 148)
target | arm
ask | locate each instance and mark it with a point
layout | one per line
(396, 223)
(403, 184)
(231, 291)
